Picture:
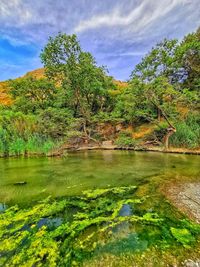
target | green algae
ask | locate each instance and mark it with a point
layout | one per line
(91, 226)
(183, 236)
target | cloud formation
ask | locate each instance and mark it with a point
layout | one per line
(143, 14)
(117, 32)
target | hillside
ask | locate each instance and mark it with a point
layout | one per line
(6, 100)
(4, 97)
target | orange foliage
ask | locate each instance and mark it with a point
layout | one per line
(121, 85)
(37, 74)
(184, 110)
(143, 130)
(5, 98)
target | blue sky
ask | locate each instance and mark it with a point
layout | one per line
(117, 32)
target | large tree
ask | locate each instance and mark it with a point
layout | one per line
(84, 84)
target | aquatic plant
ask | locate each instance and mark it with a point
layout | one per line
(68, 231)
(182, 235)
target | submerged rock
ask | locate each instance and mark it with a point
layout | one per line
(2, 207)
(191, 263)
(186, 197)
(20, 183)
(125, 210)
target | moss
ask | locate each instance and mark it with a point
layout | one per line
(115, 190)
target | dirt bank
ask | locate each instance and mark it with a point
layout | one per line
(109, 145)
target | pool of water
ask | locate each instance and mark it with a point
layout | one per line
(123, 219)
(80, 171)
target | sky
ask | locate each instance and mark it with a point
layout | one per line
(117, 32)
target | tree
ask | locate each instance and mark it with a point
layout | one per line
(132, 105)
(32, 94)
(84, 84)
(160, 61)
(188, 56)
(170, 77)
(156, 99)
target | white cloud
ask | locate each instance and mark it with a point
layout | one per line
(113, 30)
(14, 12)
(141, 16)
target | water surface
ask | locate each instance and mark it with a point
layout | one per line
(87, 170)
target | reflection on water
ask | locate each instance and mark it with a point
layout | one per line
(50, 222)
(88, 170)
(125, 210)
(2, 207)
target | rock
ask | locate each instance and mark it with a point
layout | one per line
(191, 263)
(107, 143)
(20, 183)
(186, 197)
(119, 127)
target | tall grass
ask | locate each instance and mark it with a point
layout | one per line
(187, 133)
(17, 146)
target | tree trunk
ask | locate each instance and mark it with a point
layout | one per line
(25, 153)
(159, 114)
(6, 154)
(170, 132)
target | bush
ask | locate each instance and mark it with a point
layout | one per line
(161, 130)
(125, 140)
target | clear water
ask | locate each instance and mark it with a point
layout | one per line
(126, 243)
(87, 170)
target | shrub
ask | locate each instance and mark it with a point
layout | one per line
(161, 130)
(125, 140)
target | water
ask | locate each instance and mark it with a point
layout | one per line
(87, 170)
(25, 181)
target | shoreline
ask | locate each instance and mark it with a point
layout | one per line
(144, 149)
(60, 153)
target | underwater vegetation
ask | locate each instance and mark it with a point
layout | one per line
(72, 230)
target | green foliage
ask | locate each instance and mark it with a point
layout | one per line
(85, 85)
(125, 140)
(55, 122)
(77, 95)
(158, 62)
(182, 235)
(187, 132)
(188, 56)
(32, 94)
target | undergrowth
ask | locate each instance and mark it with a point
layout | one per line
(187, 133)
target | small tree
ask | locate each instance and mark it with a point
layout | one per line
(31, 94)
(156, 99)
(160, 61)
